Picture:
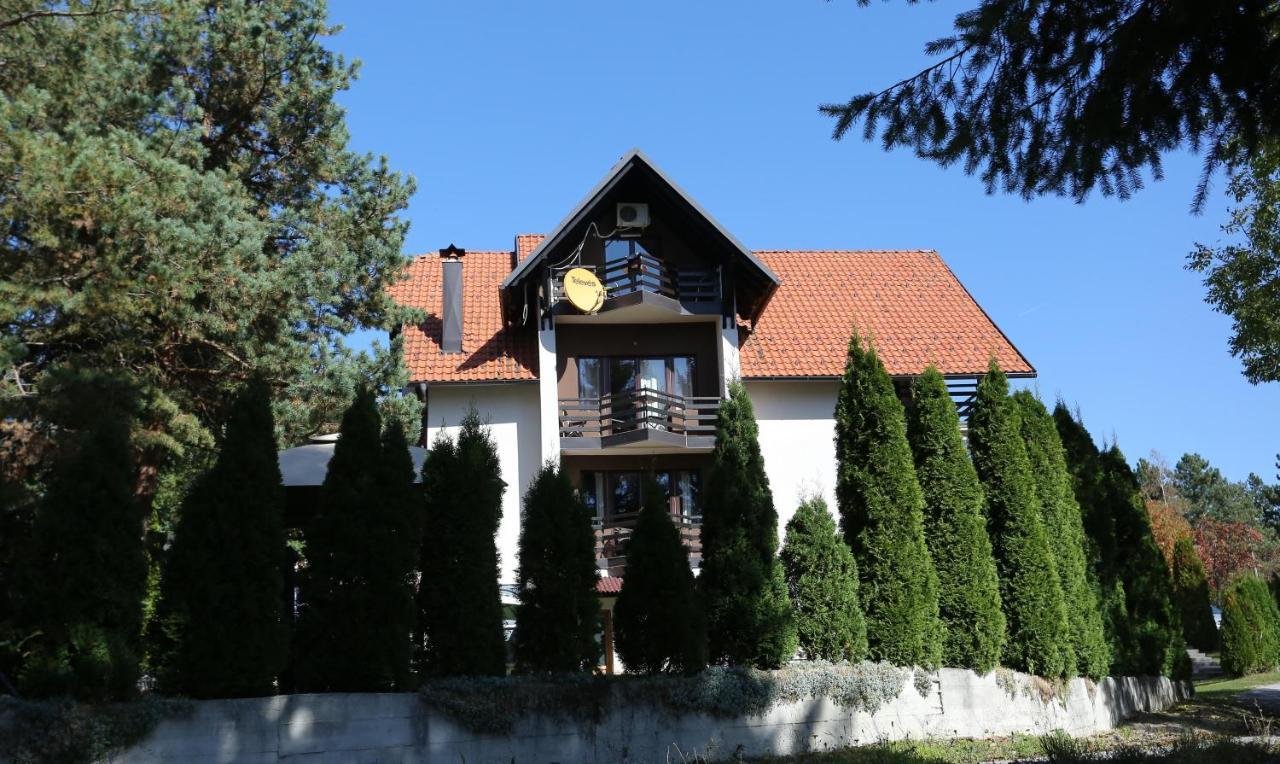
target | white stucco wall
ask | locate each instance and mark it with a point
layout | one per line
(797, 438)
(511, 412)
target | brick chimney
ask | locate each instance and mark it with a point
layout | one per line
(451, 305)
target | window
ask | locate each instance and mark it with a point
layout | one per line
(630, 266)
(672, 375)
(590, 378)
(609, 494)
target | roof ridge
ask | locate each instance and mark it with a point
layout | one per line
(848, 251)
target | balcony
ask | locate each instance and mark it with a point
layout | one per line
(613, 533)
(644, 280)
(638, 420)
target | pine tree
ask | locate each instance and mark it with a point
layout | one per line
(658, 621)
(86, 571)
(219, 630)
(559, 610)
(955, 529)
(1250, 627)
(459, 607)
(1191, 588)
(749, 619)
(1065, 526)
(357, 616)
(1039, 639)
(1103, 556)
(882, 515)
(822, 579)
(1154, 633)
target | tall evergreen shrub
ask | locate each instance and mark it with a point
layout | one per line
(1065, 528)
(822, 579)
(658, 622)
(1250, 627)
(357, 616)
(559, 609)
(1191, 588)
(749, 619)
(86, 571)
(1154, 642)
(955, 527)
(459, 606)
(219, 630)
(1103, 555)
(882, 515)
(1039, 637)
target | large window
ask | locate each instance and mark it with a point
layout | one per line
(609, 494)
(672, 375)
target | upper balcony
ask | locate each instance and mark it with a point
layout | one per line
(644, 284)
(638, 420)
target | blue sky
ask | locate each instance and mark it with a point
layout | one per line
(506, 113)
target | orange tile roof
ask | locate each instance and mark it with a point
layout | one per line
(608, 585)
(908, 301)
(489, 353)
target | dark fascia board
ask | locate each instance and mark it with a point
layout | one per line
(610, 180)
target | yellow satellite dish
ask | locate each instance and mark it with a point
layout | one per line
(583, 290)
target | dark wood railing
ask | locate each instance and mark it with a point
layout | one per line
(613, 533)
(636, 410)
(645, 273)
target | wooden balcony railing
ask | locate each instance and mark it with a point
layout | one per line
(645, 273)
(613, 533)
(637, 410)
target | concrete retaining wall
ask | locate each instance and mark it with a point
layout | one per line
(398, 728)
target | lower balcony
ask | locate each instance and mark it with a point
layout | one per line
(613, 533)
(638, 420)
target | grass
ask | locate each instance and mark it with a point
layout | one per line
(1225, 688)
(1055, 749)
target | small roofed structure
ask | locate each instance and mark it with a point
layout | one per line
(307, 464)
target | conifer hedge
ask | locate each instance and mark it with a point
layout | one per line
(1039, 638)
(1191, 588)
(459, 606)
(955, 527)
(559, 610)
(86, 570)
(822, 579)
(1250, 627)
(749, 619)
(219, 630)
(658, 622)
(882, 515)
(357, 597)
(1065, 527)
(1103, 556)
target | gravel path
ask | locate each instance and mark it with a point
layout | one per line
(1267, 697)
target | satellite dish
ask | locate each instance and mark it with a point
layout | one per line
(583, 290)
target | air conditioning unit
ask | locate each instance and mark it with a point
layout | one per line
(633, 215)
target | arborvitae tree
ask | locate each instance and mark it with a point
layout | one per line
(559, 609)
(882, 515)
(749, 619)
(1103, 556)
(1154, 632)
(459, 606)
(1191, 588)
(955, 526)
(1039, 638)
(219, 631)
(658, 622)
(357, 616)
(822, 579)
(1065, 527)
(1250, 627)
(86, 571)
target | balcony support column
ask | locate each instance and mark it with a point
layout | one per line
(548, 396)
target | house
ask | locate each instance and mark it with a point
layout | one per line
(609, 342)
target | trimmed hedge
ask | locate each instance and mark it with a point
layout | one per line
(882, 515)
(1191, 589)
(1250, 627)
(822, 579)
(1039, 637)
(955, 527)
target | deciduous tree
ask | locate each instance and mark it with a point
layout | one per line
(882, 515)
(1226, 549)
(822, 579)
(559, 610)
(955, 524)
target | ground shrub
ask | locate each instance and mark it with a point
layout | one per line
(822, 580)
(62, 731)
(1250, 627)
(1191, 589)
